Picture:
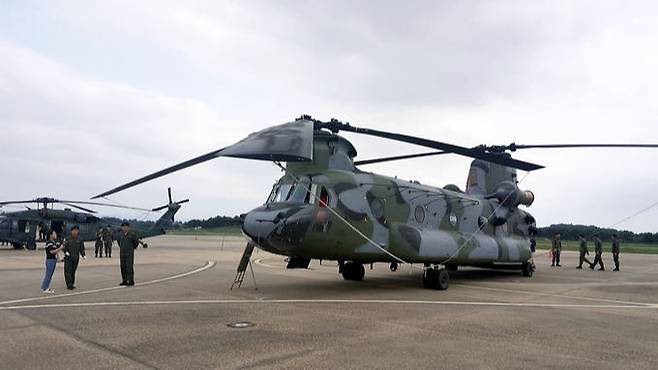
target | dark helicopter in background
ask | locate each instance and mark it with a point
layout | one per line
(27, 227)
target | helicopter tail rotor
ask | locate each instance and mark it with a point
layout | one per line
(172, 206)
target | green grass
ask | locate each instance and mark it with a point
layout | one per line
(573, 245)
(228, 231)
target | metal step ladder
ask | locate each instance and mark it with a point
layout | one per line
(245, 262)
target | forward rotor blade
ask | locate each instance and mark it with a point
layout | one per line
(160, 208)
(80, 208)
(336, 126)
(169, 193)
(166, 171)
(182, 201)
(290, 142)
(396, 158)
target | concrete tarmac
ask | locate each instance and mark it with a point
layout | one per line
(180, 312)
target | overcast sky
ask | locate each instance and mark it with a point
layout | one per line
(94, 94)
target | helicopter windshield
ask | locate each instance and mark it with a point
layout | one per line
(295, 192)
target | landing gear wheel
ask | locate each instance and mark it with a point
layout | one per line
(452, 268)
(353, 271)
(394, 266)
(527, 269)
(17, 245)
(31, 245)
(438, 279)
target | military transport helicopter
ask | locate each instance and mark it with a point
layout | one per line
(27, 227)
(324, 207)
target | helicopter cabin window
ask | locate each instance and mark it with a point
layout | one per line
(324, 197)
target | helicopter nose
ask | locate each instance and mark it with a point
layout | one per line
(259, 224)
(280, 229)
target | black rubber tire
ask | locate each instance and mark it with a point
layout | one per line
(17, 245)
(452, 268)
(436, 279)
(353, 271)
(31, 246)
(527, 270)
(443, 279)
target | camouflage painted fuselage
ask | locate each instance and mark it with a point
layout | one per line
(414, 222)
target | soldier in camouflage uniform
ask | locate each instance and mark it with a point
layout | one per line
(107, 241)
(598, 251)
(583, 252)
(98, 246)
(615, 251)
(556, 249)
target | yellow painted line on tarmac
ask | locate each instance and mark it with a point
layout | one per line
(208, 265)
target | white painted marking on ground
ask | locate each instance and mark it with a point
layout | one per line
(208, 265)
(325, 301)
(554, 295)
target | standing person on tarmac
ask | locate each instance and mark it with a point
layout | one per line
(74, 247)
(598, 251)
(556, 249)
(532, 232)
(98, 246)
(583, 252)
(615, 251)
(128, 242)
(52, 247)
(107, 240)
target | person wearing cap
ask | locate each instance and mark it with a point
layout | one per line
(74, 247)
(128, 242)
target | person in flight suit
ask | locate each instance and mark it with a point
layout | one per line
(128, 242)
(598, 251)
(556, 249)
(98, 247)
(107, 241)
(583, 252)
(615, 251)
(74, 247)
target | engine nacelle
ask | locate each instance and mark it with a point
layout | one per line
(511, 196)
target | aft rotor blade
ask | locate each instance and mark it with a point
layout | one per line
(200, 159)
(396, 158)
(472, 153)
(562, 146)
(80, 208)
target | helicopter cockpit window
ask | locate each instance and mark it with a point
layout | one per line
(300, 193)
(297, 192)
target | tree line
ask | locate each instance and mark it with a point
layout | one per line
(570, 232)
